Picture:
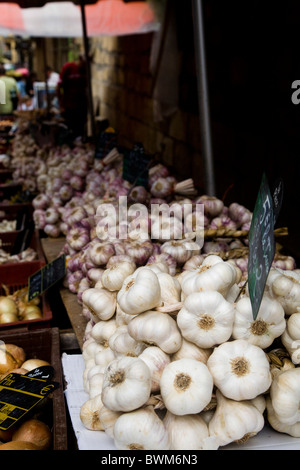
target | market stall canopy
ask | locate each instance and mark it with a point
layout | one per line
(41, 18)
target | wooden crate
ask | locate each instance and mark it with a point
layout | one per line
(45, 344)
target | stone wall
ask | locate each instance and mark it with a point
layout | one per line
(122, 90)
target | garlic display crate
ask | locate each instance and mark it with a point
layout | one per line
(15, 276)
(45, 344)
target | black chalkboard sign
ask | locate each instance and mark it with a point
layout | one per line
(261, 245)
(46, 277)
(19, 394)
(136, 166)
(106, 141)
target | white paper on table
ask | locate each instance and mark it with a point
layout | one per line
(73, 368)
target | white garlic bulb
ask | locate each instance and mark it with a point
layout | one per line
(234, 421)
(141, 429)
(188, 432)
(240, 370)
(126, 384)
(186, 386)
(206, 318)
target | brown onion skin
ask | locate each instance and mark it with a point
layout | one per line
(19, 445)
(34, 431)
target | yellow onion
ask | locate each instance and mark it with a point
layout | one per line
(7, 305)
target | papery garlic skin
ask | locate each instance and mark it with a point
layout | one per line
(206, 319)
(186, 386)
(188, 432)
(156, 328)
(140, 430)
(140, 292)
(269, 324)
(126, 385)
(240, 370)
(285, 396)
(234, 421)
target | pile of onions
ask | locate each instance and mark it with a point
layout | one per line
(16, 307)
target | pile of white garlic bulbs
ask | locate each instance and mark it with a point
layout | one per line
(177, 362)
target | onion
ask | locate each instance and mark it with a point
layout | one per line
(8, 317)
(32, 312)
(19, 445)
(7, 306)
(31, 364)
(11, 357)
(34, 431)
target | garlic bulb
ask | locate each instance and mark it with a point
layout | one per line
(206, 319)
(123, 344)
(126, 385)
(156, 328)
(291, 429)
(193, 263)
(122, 318)
(104, 357)
(269, 324)
(188, 432)
(102, 331)
(113, 277)
(234, 421)
(285, 287)
(156, 359)
(108, 419)
(293, 325)
(180, 250)
(240, 370)
(95, 384)
(190, 350)
(214, 274)
(140, 292)
(285, 396)
(99, 253)
(212, 205)
(186, 386)
(170, 288)
(89, 413)
(292, 346)
(140, 430)
(101, 302)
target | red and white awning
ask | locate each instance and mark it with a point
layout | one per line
(63, 19)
